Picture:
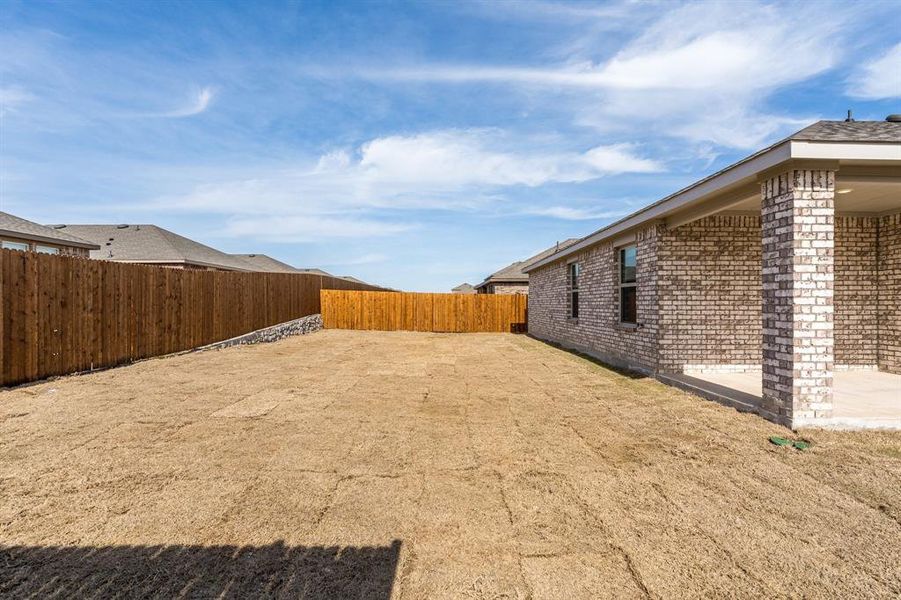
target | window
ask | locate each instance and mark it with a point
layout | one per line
(627, 291)
(575, 270)
(14, 245)
(46, 249)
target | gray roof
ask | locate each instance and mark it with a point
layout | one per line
(14, 226)
(464, 288)
(354, 279)
(514, 273)
(152, 244)
(266, 264)
(316, 272)
(850, 131)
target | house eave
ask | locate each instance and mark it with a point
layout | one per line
(735, 177)
(48, 240)
(524, 280)
(193, 263)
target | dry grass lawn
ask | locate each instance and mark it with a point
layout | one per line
(364, 464)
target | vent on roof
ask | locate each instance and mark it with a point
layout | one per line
(122, 226)
(849, 118)
(58, 226)
(893, 118)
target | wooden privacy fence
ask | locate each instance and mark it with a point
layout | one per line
(65, 314)
(392, 311)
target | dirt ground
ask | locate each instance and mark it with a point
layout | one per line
(409, 465)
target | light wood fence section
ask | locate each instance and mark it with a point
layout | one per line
(392, 311)
(61, 314)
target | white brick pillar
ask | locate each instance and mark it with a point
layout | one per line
(798, 229)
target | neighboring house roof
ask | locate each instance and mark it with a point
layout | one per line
(18, 227)
(266, 264)
(853, 143)
(152, 244)
(316, 272)
(354, 279)
(464, 288)
(515, 273)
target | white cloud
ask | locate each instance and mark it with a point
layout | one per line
(569, 213)
(697, 47)
(471, 157)
(880, 78)
(701, 72)
(443, 169)
(308, 228)
(11, 98)
(199, 103)
(449, 170)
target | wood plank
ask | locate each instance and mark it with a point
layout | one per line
(392, 311)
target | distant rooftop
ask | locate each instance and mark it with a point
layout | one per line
(266, 264)
(14, 226)
(152, 244)
(514, 273)
(354, 279)
(316, 272)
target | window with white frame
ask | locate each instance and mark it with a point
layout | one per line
(14, 245)
(46, 249)
(627, 285)
(574, 274)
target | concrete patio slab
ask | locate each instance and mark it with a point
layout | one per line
(862, 399)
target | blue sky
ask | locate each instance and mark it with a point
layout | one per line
(415, 145)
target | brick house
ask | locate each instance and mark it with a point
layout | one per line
(513, 279)
(773, 285)
(17, 233)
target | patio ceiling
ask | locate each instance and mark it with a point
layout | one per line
(854, 195)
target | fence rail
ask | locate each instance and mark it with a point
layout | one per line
(65, 314)
(392, 311)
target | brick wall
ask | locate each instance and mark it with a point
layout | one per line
(890, 293)
(708, 280)
(597, 331)
(710, 295)
(509, 288)
(856, 291)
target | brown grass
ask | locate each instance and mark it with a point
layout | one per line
(504, 467)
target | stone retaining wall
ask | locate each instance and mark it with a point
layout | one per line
(301, 326)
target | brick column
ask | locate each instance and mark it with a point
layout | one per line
(798, 227)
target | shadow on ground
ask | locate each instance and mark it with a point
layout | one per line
(624, 371)
(274, 570)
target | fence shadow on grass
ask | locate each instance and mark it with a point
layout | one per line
(169, 571)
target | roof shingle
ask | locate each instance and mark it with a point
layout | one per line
(266, 264)
(152, 244)
(850, 131)
(18, 227)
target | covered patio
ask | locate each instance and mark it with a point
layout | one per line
(785, 297)
(861, 399)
